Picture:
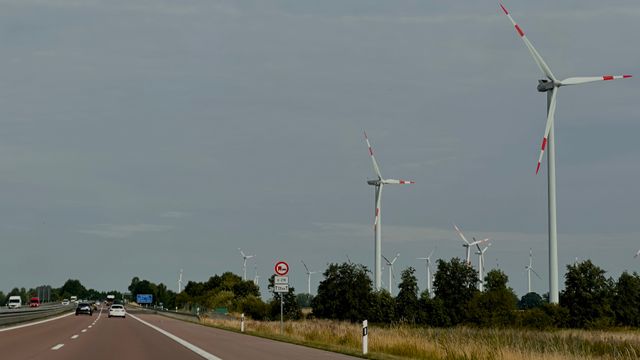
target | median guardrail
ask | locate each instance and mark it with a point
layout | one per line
(15, 316)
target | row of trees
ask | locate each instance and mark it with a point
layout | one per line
(70, 288)
(589, 300)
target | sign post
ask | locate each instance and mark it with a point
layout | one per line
(281, 286)
(242, 322)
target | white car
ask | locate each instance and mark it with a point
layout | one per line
(117, 310)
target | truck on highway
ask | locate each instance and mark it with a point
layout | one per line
(15, 302)
(74, 299)
(34, 302)
(110, 299)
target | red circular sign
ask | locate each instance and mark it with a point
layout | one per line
(282, 268)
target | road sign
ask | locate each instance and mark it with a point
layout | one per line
(282, 268)
(281, 288)
(281, 280)
(144, 298)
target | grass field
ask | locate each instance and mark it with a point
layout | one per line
(406, 342)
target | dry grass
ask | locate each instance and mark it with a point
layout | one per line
(406, 342)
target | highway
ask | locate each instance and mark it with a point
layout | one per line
(140, 336)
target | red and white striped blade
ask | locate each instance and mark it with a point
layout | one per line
(536, 56)
(401, 182)
(376, 219)
(460, 233)
(376, 168)
(588, 79)
(547, 129)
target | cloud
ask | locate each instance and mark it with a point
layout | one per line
(111, 231)
(175, 214)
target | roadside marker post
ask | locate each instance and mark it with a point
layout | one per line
(365, 337)
(242, 322)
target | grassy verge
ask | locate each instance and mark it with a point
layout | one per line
(406, 342)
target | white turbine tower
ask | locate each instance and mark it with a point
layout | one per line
(480, 254)
(308, 277)
(637, 254)
(530, 270)
(377, 225)
(551, 86)
(256, 278)
(467, 244)
(391, 273)
(244, 263)
(179, 281)
(427, 265)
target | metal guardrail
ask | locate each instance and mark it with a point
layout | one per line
(172, 314)
(15, 316)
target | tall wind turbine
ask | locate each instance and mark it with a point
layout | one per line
(179, 281)
(308, 277)
(427, 265)
(256, 278)
(390, 265)
(244, 263)
(480, 254)
(468, 244)
(530, 270)
(377, 225)
(551, 86)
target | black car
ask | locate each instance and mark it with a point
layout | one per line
(84, 308)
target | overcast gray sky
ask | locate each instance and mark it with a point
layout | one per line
(139, 137)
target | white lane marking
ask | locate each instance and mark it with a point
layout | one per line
(84, 330)
(184, 343)
(35, 323)
(75, 336)
(57, 347)
(90, 326)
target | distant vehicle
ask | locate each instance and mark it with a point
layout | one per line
(74, 299)
(14, 302)
(84, 308)
(97, 303)
(110, 299)
(65, 302)
(34, 302)
(117, 310)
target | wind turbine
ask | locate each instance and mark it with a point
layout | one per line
(180, 281)
(377, 225)
(256, 277)
(467, 244)
(530, 270)
(551, 86)
(427, 265)
(480, 254)
(390, 265)
(308, 277)
(637, 254)
(244, 263)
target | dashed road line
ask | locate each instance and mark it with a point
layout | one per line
(75, 336)
(84, 330)
(180, 341)
(57, 347)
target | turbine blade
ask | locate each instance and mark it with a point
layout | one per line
(387, 260)
(377, 216)
(536, 56)
(400, 182)
(588, 79)
(547, 129)
(431, 253)
(376, 168)
(460, 234)
(535, 273)
(305, 265)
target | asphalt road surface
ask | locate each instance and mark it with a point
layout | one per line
(139, 337)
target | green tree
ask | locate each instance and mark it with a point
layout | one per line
(455, 285)
(383, 307)
(496, 306)
(304, 300)
(530, 301)
(407, 306)
(626, 301)
(73, 288)
(344, 294)
(587, 296)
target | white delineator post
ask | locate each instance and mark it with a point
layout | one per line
(365, 337)
(242, 322)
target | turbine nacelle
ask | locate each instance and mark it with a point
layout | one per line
(546, 85)
(375, 182)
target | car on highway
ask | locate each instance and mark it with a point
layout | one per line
(117, 310)
(84, 308)
(65, 301)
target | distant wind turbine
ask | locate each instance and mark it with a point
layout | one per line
(480, 253)
(391, 273)
(530, 270)
(427, 265)
(377, 225)
(467, 244)
(180, 281)
(244, 263)
(308, 277)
